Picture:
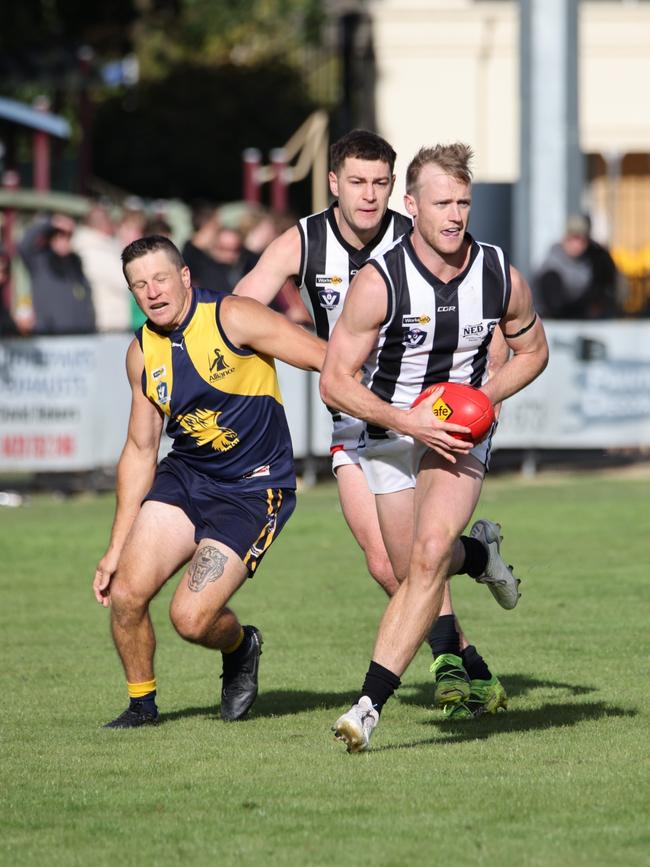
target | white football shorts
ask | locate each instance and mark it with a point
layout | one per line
(391, 463)
(345, 439)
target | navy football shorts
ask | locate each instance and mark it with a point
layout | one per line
(247, 521)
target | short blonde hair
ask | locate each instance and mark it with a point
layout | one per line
(453, 159)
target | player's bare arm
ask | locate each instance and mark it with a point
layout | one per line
(498, 354)
(525, 337)
(250, 324)
(279, 262)
(350, 344)
(135, 470)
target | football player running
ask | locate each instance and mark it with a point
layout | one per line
(424, 312)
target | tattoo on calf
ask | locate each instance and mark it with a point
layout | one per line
(207, 566)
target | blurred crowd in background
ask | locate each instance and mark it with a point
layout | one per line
(72, 278)
(73, 282)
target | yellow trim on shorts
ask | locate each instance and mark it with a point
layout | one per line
(267, 533)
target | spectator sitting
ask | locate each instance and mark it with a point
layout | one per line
(99, 250)
(578, 279)
(61, 294)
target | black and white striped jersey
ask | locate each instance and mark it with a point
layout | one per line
(328, 263)
(434, 331)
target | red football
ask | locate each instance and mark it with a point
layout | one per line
(462, 404)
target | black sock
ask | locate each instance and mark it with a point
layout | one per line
(476, 557)
(146, 703)
(243, 648)
(475, 665)
(443, 637)
(379, 685)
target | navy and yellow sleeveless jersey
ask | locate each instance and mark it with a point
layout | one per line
(224, 406)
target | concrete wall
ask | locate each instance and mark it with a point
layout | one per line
(449, 70)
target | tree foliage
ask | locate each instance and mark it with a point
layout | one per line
(215, 77)
(183, 135)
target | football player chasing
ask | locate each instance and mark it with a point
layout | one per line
(322, 253)
(203, 361)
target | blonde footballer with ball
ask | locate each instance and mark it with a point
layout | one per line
(423, 313)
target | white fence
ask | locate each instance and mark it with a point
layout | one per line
(64, 402)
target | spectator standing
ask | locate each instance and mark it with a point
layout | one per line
(61, 294)
(99, 251)
(131, 226)
(8, 325)
(198, 251)
(578, 279)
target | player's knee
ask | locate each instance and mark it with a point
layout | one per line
(190, 623)
(381, 570)
(378, 565)
(431, 554)
(126, 599)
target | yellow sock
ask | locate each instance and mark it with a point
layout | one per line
(138, 690)
(236, 644)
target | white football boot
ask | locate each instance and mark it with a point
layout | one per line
(501, 583)
(355, 727)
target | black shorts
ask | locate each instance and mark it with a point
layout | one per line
(247, 521)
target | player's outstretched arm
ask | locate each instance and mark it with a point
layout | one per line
(351, 342)
(524, 335)
(251, 325)
(135, 471)
(279, 262)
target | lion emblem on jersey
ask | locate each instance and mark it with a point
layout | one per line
(203, 426)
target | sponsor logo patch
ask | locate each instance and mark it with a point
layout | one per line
(219, 367)
(417, 319)
(477, 331)
(158, 372)
(326, 280)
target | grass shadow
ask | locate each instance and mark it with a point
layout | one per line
(547, 716)
(274, 702)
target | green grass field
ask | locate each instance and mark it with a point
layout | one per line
(561, 779)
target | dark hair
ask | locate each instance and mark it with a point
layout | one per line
(151, 244)
(363, 145)
(202, 213)
(453, 159)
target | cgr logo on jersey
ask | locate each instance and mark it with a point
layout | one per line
(219, 367)
(329, 298)
(418, 319)
(162, 393)
(446, 309)
(414, 337)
